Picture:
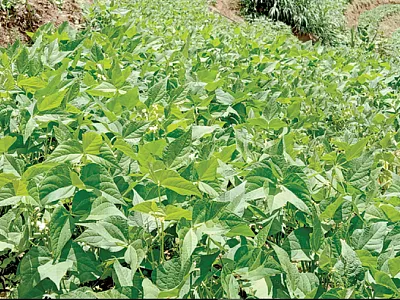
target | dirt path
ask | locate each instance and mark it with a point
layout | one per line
(355, 9)
(228, 9)
(389, 25)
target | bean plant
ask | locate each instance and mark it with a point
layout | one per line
(165, 152)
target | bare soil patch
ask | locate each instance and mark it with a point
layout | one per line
(229, 9)
(355, 9)
(28, 18)
(389, 25)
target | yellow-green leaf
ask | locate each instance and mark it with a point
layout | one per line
(91, 143)
(173, 181)
(6, 143)
(52, 101)
(176, 213)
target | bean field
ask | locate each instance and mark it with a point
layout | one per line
(161, 150)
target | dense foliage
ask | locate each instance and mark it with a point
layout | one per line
(322, 18)
(165, 152)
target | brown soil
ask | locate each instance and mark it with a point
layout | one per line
(228, 8)
(389, 25)
(355, 9)
(305, 37)
(15, 23)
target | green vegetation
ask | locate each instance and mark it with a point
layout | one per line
(372, 18)
(322, 18)
(395, 41)
(165, 152)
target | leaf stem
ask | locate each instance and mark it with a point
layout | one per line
(162, 241)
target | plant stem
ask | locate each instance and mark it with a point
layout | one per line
(162, 241)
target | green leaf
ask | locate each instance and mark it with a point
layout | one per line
(6, 178)
(85, 266)
(37, 169)
(226, 153)
(110, 234)
(29, 128)
(71, 151)
(173, 181)
(356, 150)
(32, 83)
(331, 209)
(212, 86)
(8, 195)
(367, 259)
(124, 275)
(207, 75)
(359, 169)
(6, 143)
(61, 228)
(372, 237)
(231, 287)
(240, 230)
(201, 131)
(394, 188)
(317, 234)
(91, 143)
(168, 275)
(224, 97)
(79, 293)
(349, 266)
(52, 55)
(236, 199)
(148, 207)
(207, 170)
(29, 269)
(13, 165)
(6, 246)
(104, 89)
(263, 234)
(130, 98)
(176, 213)
(176, 151)
(131, 258)
(97, 177)
(55, 272)
(22, 59)
(189, 244)
(51, 101)
(286, 196)
(276, 124)
(290, 269)
(56, 185)
(124, 147)
(392, 213)
(297, 244)
(383, 279)
(157, 92)
(394, 266)
(150, 290)
(204, 210)
(307, 286)
(102, 208)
